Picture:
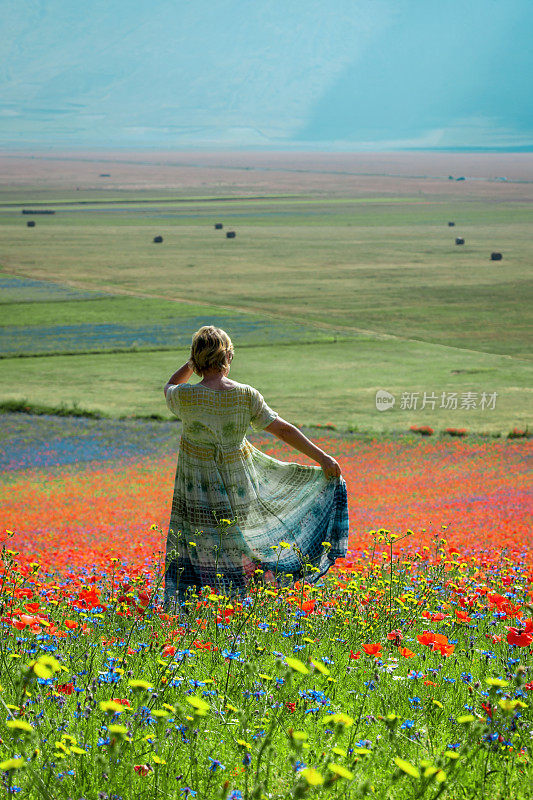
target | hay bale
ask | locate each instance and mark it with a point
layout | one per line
(37, 211)
(496, 256)
(459, 241)
(30, 223)
(231, 235)
(451, 224)
(218, 226)
(158, 239)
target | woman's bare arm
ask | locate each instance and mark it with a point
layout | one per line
(181, 375)
(291, 435)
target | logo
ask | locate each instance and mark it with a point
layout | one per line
(384, 400)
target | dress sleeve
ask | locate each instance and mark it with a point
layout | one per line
(261, 414)
(172, 398)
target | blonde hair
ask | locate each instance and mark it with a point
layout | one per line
(211, 348)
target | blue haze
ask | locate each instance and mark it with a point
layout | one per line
(329, 74)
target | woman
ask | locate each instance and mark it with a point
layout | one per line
(222, 477)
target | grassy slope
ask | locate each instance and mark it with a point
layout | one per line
(384, 267)
(307, 384)
(388, 268)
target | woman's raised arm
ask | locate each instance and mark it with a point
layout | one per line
(291, 435)
(181, 375)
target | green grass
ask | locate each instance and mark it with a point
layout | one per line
(390, 268)
(383, 270)
(306, 384)
(39, 409)
(295, 694)
(119, 324)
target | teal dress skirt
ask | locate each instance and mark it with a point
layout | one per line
(288, 521)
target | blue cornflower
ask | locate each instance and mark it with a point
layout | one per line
(188, 792)
(230, 655)
(364, 743)
(407, 724)
(215, 764)
(415, 701)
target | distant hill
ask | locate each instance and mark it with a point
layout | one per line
(263, 73)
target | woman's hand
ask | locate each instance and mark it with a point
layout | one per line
(291, 435)
(330, 467)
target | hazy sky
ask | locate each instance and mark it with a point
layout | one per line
(285, 73)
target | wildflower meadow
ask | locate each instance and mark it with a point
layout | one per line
(404, 673)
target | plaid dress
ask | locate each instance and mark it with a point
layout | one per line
(220, 475)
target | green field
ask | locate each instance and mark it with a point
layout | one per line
(327, 300)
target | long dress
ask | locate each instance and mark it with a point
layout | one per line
(282, 513)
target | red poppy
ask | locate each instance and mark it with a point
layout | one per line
(226, 615)
(406, 653)
(355, 655)
(519, 637)
(395, 637)
(373, 649)
(65, 688)
(25, 619)
(203, 645)
(142, 769)
(71, 624)
(496, 599)
(437, 617)
(122, 701)
(291, 707)
(444, 648)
